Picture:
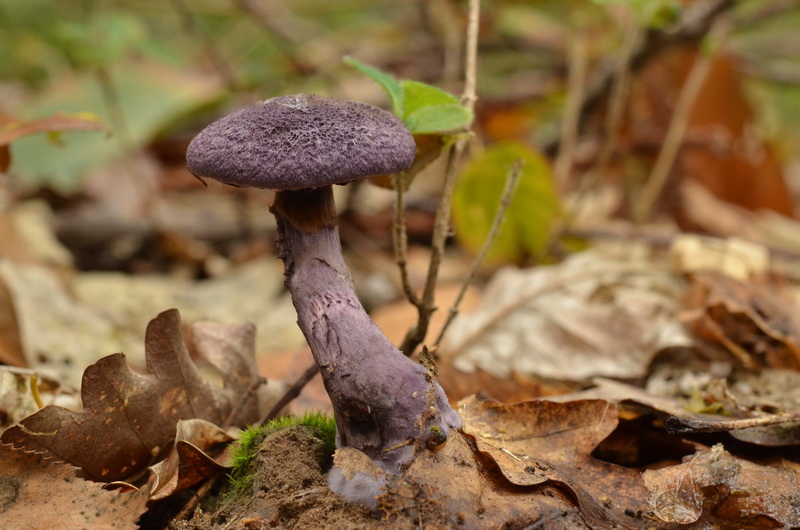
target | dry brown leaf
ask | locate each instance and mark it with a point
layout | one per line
(715, 484)
(11, 351)
(36, 492)
(756, 321)
(588, 316)
(129, 420)
(189, 462)
(536, 442)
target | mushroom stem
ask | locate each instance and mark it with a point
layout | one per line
(385, 404)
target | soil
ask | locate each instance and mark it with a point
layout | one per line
(290, 490)
(448, 488)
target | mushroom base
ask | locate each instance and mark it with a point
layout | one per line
(385, 405)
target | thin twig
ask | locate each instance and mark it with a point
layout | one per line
(400, 239)
(576, 82)
(188, 508)
(505, 201)
(292, 392)
(469, 96)
(620, 88)
(416, 335)
(679, 123)
(246, 397)
(676, 425)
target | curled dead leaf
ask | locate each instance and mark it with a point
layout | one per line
(190, 462)
(129, 420)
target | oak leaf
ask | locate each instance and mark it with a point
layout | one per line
(129, 420)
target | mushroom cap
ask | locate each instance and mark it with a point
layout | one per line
(302, 141)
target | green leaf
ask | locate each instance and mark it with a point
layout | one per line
(417, 95)
(438, 119)
(424, 108)
(530, 215)
(391, 85)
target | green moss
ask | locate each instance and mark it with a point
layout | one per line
(245, 450)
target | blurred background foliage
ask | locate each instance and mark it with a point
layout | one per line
(155, 71)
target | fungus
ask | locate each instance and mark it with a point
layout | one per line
(385, 405)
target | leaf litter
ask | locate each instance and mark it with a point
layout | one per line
(37, 492)
(546, 461)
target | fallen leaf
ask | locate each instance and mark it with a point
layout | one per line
(588, 316)
(36, 492)
(536, 442)
(71, 322)
(252, 292)
(736, 491)
(189, 462)
(129, 420)
(757, 321)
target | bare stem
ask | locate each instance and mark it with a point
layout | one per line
(416, 335)
(572, 113)
(400, 239)
(469, 96)
(505, 201)
(676, 425)
(680, 121)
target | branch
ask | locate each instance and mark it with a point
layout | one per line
(416, 335)
(400, 240)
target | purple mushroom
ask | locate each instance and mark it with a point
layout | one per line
(385, 404)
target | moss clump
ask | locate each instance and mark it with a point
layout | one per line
(245, 450)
